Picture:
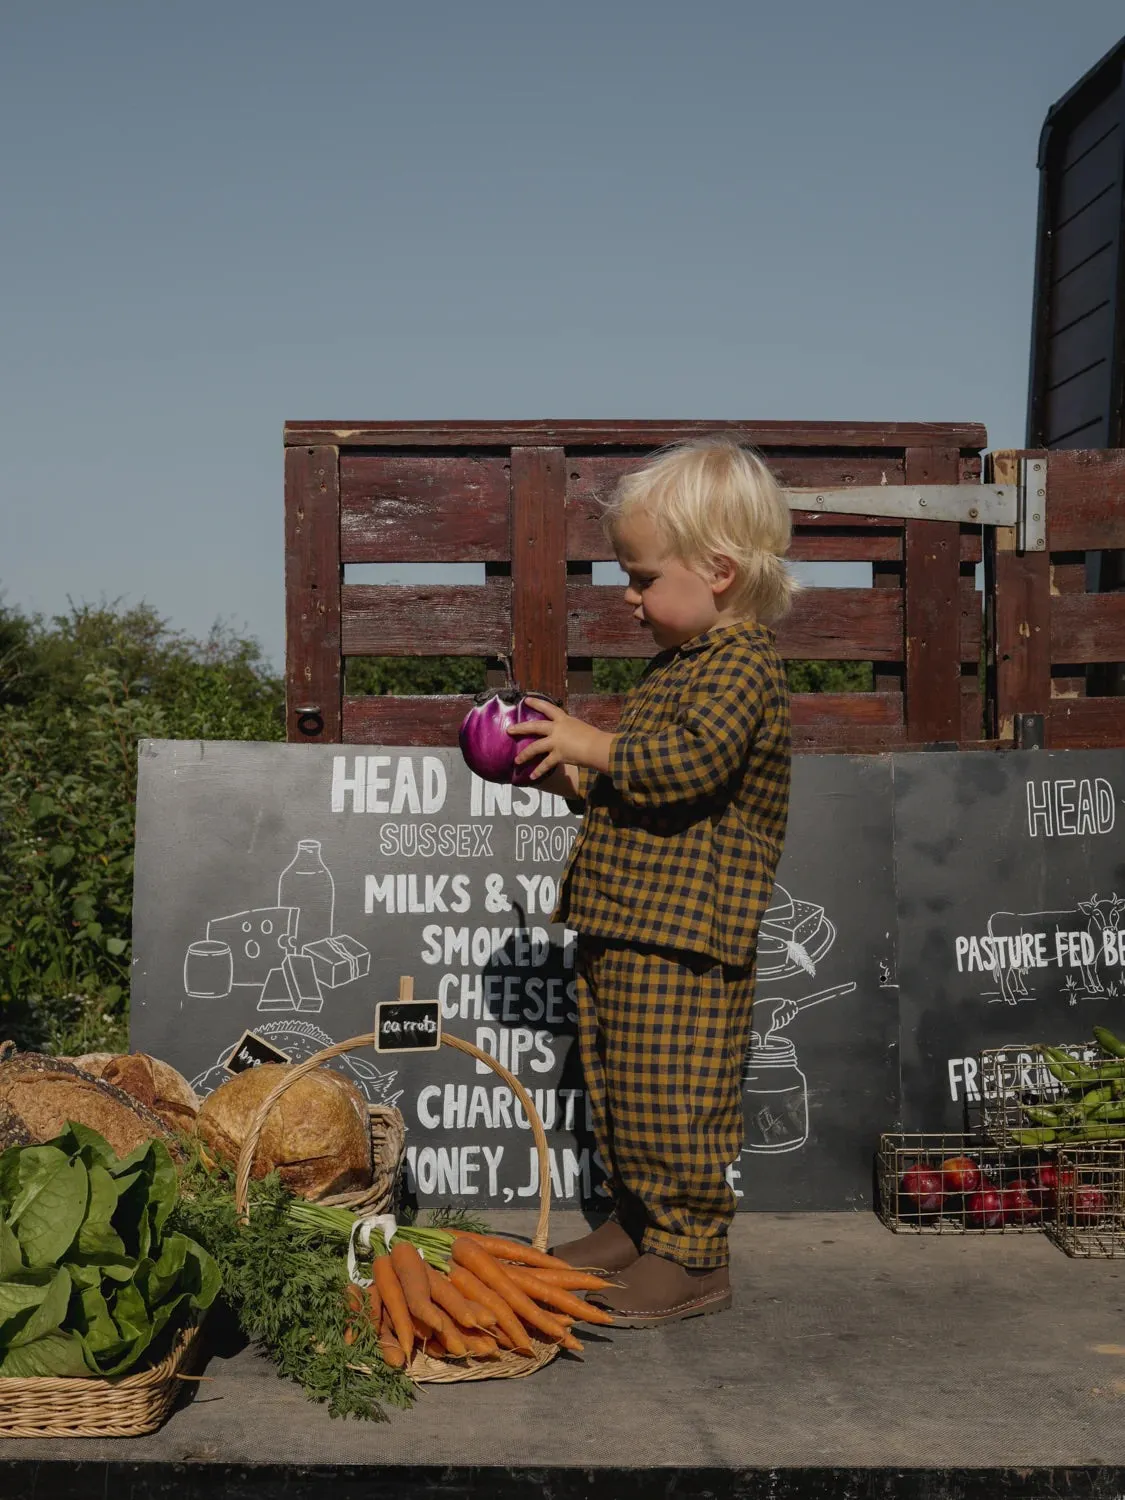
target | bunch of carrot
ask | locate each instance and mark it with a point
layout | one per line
(491, 1294)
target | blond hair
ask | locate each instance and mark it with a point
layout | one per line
(710, 498)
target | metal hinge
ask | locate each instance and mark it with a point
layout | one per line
(1031, 521)
(1022, 505)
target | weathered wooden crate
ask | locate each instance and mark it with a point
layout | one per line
(522, 498)
(1048, 631)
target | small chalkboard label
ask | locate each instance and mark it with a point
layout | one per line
(407, 1025)
(250, 1051)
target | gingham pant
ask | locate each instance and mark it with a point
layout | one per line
(662, 1038)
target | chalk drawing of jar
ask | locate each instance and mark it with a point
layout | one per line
(775, 1092)
(775, 1095)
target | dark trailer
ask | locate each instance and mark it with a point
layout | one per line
(1077, 385)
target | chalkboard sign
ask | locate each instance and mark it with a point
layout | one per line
(251, 1051)
(407, 1025)
(285, 888)
(1011, 892)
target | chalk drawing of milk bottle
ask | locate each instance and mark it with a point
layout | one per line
(306, 883)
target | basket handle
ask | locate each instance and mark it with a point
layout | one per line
(249, 1145)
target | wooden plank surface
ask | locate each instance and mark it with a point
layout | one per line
(1088, 628)
(810, 711)
(641, 434)
(312, 592)
(814, 545)
(1086, 500)
(825, 625)
(1086, 723)
(932, 609)
(539, 584)
(860, 723)
(1068, 576)
(1021, 589)
(430, 507)
(830, 539)
(426, 619)
(388, 720)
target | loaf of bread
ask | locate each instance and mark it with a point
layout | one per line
(153, 1082)
(40, 1095)
(317, 1135)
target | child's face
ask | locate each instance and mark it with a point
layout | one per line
(672, 600)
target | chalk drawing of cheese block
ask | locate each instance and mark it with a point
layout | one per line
(338, 960)
(292, 986)
(259, 940)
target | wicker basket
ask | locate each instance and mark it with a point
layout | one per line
(126, 1406)
(423, 1367)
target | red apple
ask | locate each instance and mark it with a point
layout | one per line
(1084, 1204)
(1021, 1203)
(960, 1174)
(985, 1210)
(922, 1187)
(1051, 1180)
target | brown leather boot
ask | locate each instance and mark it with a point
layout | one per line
(656, 1291)
(608, 1250)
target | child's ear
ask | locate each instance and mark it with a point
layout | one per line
(722, 573)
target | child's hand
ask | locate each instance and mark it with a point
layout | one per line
(559, 738)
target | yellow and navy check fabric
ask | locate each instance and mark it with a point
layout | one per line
(662, 1039)
(680, 842)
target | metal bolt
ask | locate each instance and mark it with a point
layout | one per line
(1042, 493)
(973, 513)
(1040, 544)
(921, 499)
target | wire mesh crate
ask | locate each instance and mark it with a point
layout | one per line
(957, 1184)
(1089, 1214)
(1038, 1095)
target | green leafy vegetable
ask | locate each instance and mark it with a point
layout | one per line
(54, 1354)
(48, 1210)
(92, 1277)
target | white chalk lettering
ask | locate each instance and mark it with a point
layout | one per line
(508, 998)
(372, 776)
(569, 1169)
(544, 846)
(431, 840)
(450, 1170)
(507, 947)
(541, 892)
(472, 1107)
(489, 799)
(512, 1047)
(1064, 808)
(399, 894)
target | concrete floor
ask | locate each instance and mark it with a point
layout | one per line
(848, 1347)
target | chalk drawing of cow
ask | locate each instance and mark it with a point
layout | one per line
(1092, 916)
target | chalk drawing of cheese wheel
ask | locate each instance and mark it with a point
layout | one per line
(794, 937)
(258, 940)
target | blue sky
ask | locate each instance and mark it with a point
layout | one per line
(215, 217)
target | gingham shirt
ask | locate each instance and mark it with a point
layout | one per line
(681, 840)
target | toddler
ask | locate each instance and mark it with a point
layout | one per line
(685, 808)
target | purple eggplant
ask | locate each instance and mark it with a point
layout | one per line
(487, 747)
